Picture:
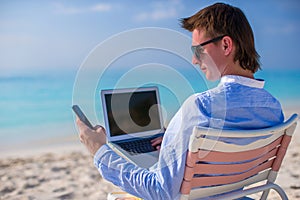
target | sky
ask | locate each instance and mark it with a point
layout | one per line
(37, 36)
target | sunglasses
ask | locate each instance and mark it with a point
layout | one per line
(198, 49)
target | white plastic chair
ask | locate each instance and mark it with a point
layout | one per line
(257, 162)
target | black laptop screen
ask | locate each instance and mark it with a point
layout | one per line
(132, 112)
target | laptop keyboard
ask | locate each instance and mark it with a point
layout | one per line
(138, 146)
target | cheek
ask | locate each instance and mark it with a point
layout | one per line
(217, 57)
(213, 72)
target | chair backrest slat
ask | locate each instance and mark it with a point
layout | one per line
(220, 180)
(208, 168)
(219, 145)
(217, 156)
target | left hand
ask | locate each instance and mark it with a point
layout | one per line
(156, 142)
(93, 139)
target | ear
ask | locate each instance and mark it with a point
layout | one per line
(227, 45)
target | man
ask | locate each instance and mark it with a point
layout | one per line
(223, 46)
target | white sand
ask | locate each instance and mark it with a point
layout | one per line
(67, 172)
(64, 175)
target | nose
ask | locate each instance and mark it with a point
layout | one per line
(195, 61)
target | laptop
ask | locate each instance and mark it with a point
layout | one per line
(132, 119)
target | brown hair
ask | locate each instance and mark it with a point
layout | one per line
(223, 19)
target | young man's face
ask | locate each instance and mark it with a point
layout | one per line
(210, 61)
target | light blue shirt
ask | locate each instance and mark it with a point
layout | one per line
(236, 103)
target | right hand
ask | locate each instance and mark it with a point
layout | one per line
(93, 139)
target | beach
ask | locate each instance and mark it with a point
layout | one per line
(64, 173)
(65, 170)
(57, 54)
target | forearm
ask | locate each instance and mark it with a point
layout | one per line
(132, 179)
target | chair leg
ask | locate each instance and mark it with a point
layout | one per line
(239, 194)
(265, 194)
(277, 188)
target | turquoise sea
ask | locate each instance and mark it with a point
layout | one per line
(38, 107)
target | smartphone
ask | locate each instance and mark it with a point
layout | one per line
(82, 116)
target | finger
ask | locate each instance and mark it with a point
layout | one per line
(100, 129)
(81, 138)
(84, 130)
(156, 141)
(79, 122)
(82, 126)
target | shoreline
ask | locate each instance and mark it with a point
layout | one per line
(50, 145)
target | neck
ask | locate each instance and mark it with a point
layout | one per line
(236, 69)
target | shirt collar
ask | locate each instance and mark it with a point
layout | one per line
(256, 83)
